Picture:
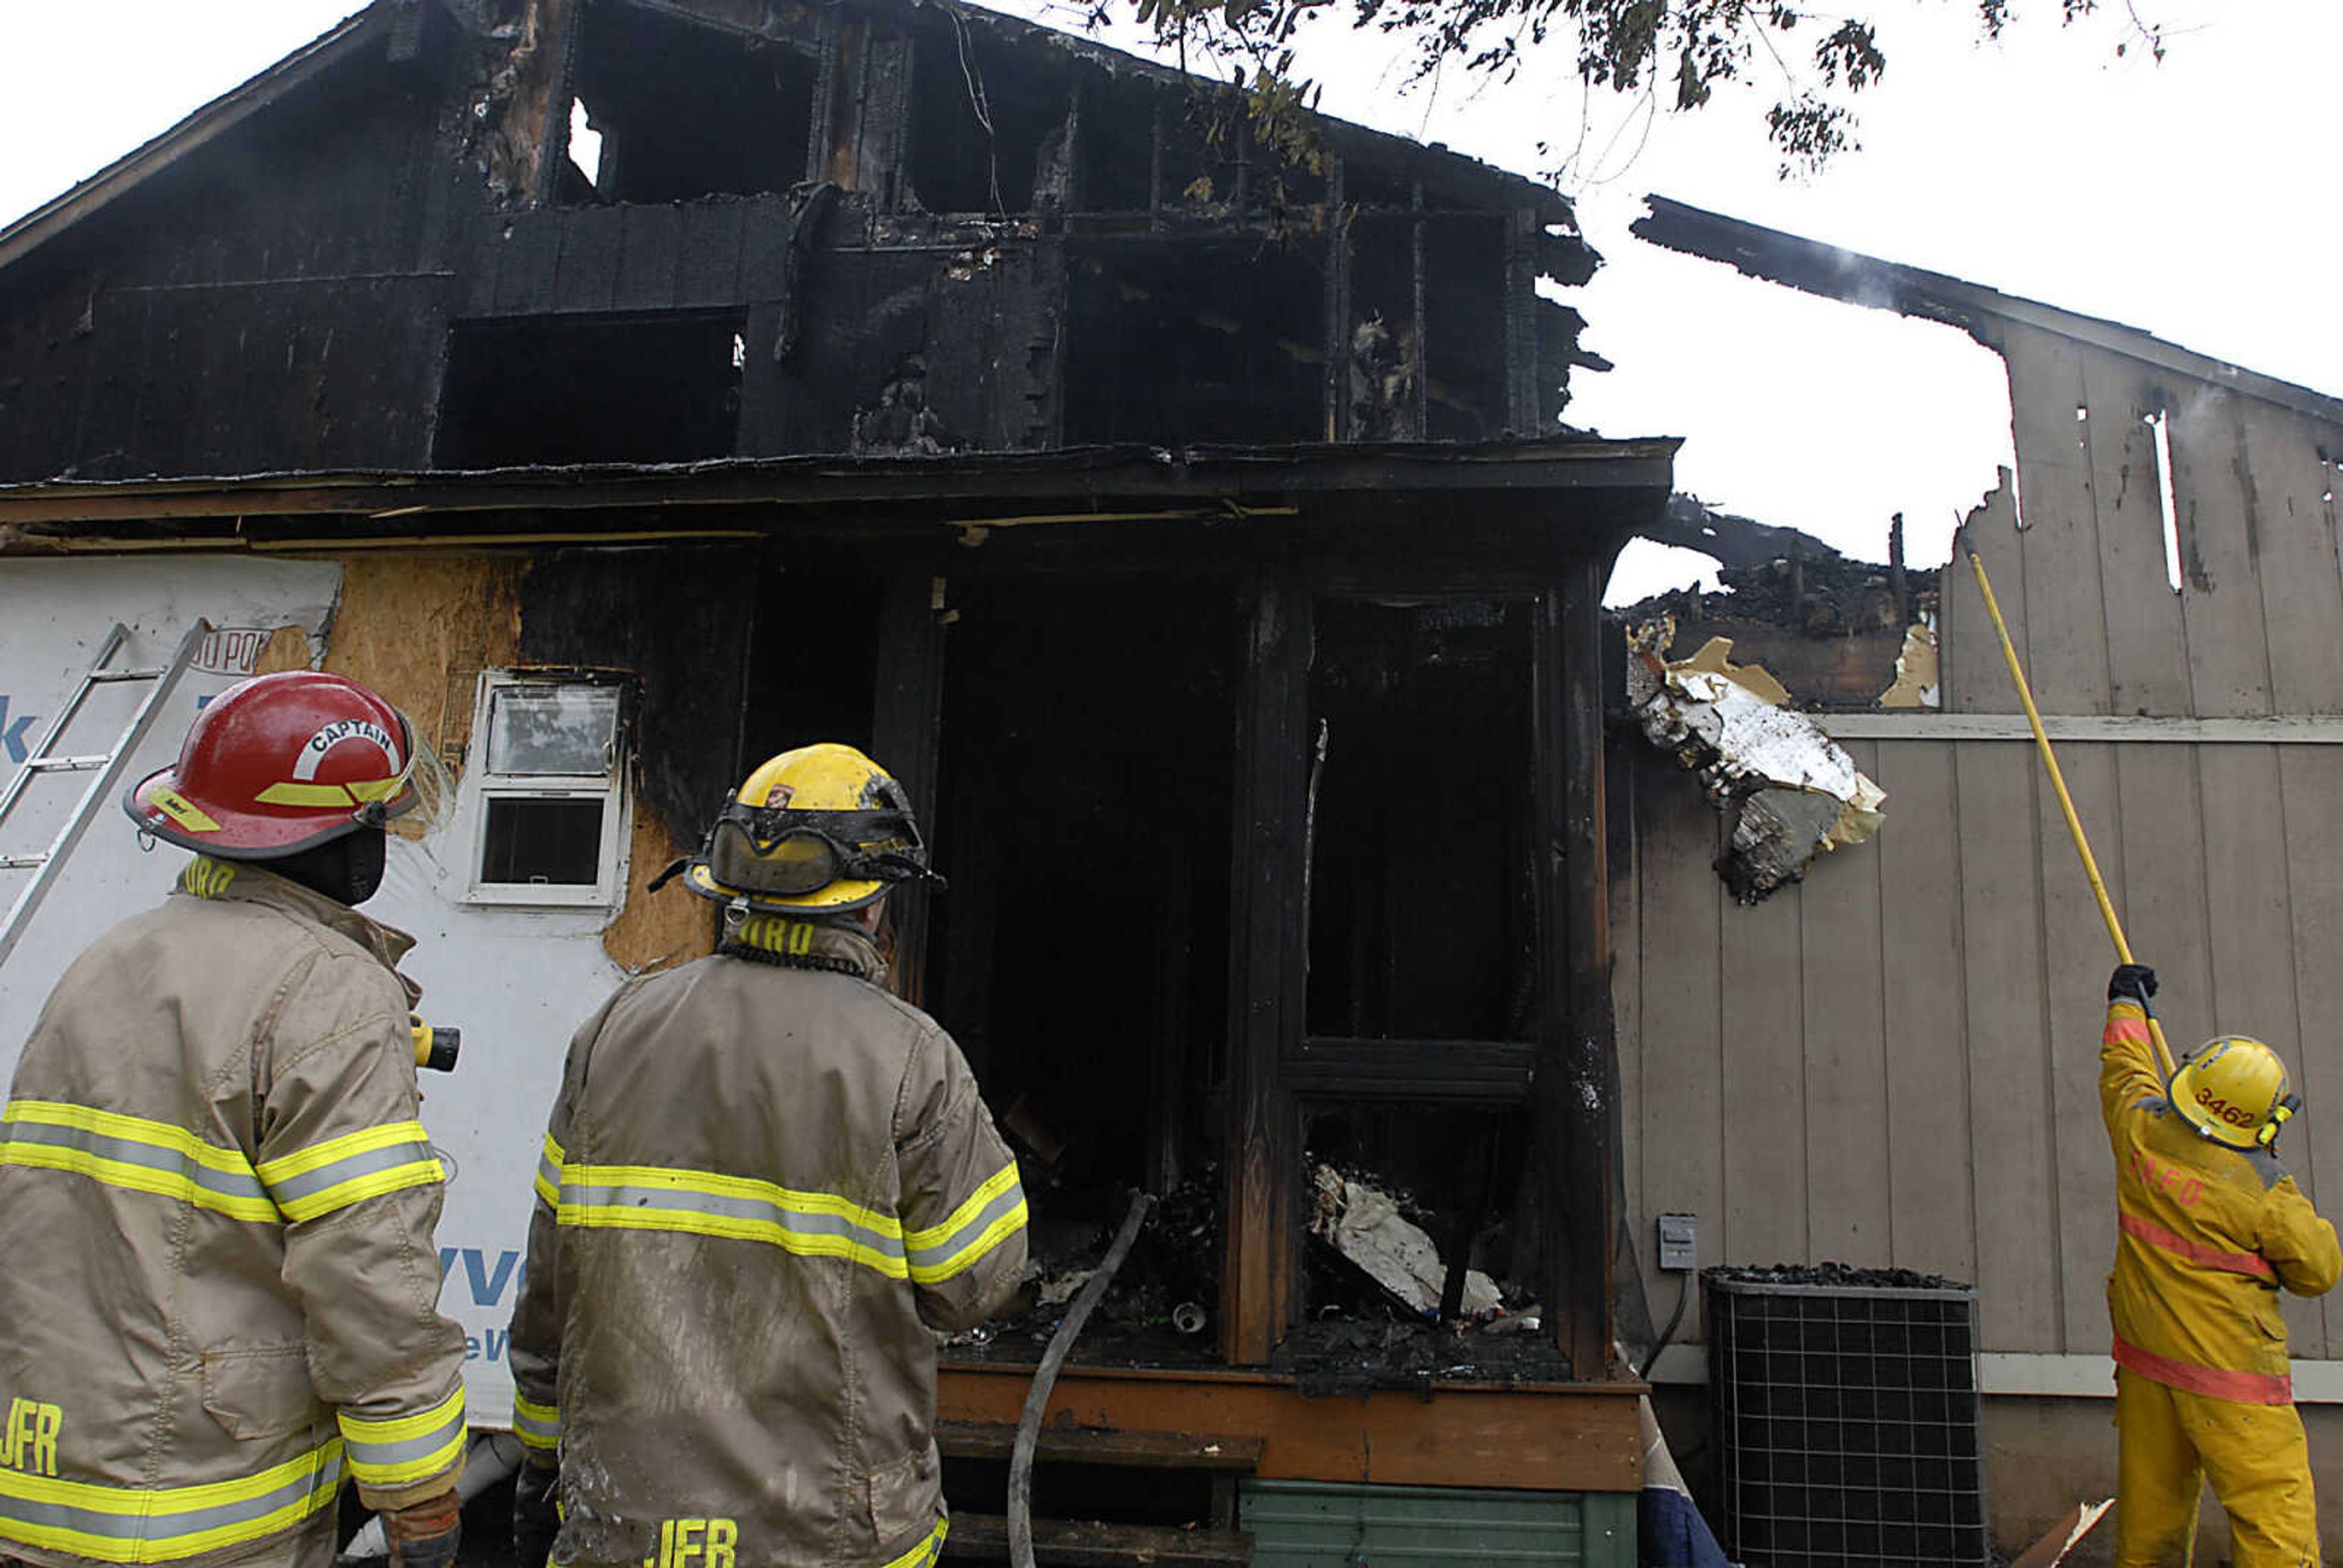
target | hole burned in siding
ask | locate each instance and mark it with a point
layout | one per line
(585, 143)
(2160, 423)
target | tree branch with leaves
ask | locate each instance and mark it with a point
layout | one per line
(1673, 52)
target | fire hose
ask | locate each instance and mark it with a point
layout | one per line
(1045, 1380)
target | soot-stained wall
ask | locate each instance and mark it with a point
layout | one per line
(677, 621)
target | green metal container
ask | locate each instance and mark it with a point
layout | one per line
(1339, 1525)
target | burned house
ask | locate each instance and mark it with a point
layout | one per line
(630, 388)
(1187, 523)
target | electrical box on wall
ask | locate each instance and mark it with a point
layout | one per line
(1679, 1242)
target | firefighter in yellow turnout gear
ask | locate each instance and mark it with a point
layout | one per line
(2210, 1227)
(767, 1185)
(217, 1202)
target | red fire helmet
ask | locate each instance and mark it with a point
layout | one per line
(279, 764)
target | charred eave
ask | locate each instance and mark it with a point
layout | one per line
(1984, 314)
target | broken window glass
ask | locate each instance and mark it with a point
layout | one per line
(546, 730)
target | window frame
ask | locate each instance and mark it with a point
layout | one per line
(481, 787)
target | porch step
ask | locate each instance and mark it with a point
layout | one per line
(1084, 1543)
(1095, 1445)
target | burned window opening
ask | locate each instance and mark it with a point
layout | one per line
(688, 110)
(1463, 329)
(1115, 153)
(1421, 908)
(590, 389)
(1086, 782)
(2175, 569)
(985, 133)
(1385, 348)
(1192, 341)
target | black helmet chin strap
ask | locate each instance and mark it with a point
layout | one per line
(346, 868)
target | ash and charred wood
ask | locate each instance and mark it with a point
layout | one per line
(1110, 1446)
(1443, 1071)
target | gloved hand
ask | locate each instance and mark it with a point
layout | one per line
(536, 1513)
(2131, 982)
(424, 1535)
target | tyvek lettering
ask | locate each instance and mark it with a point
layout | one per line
(12, 735)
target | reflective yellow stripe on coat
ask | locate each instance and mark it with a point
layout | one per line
(931, 1550)
(537, 1426)
(994, 1210)
(341, 1170)
(808, 1224)
(548, 1173)
(162, 1524)
(407, 1448)
(133, 1154)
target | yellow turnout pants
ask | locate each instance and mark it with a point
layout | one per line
(2255, 1455)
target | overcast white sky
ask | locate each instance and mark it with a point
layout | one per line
(2194, 199)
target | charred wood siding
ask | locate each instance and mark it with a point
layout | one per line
(1892, 1063)
(678, 621)
(270, 302)
(937, 229)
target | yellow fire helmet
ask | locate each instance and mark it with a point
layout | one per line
(821, 830)
(2233, 1089)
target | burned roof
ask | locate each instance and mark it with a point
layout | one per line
(1984, 313)
(397, 30)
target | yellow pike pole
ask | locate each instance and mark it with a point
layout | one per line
(2066, 801)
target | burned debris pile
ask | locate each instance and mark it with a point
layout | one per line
(1374, 1279)
(1790, 791)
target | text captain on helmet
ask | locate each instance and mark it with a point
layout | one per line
(215, 1200)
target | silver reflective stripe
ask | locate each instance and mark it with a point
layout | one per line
(163, 1530)
(131, 1152)
(926, 1261)
(810, 1224)
(366, 1459)
(292, 1190)
(548, 1175)
(534, 1430)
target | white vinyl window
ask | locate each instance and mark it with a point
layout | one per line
(547, 785)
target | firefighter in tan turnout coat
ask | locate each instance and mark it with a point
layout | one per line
(767, 1183)
(215, 1200)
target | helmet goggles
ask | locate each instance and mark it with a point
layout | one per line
(795, 853)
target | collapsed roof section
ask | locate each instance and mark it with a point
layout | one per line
(2166, 546)
(878, 228)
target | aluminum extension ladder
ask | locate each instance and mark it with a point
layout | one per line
(108, 766)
